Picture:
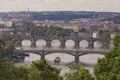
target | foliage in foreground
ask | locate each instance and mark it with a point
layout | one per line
(6, 48)
(108, 68)
(43, 71)
(78, 73)
(38, 71)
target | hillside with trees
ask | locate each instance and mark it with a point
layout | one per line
(56, 15)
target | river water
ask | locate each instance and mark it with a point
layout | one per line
(66, 59)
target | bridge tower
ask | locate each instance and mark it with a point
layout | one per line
(48, 43)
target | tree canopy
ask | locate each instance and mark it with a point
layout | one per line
(6, 48)
(108, 68)
(40, 70)
(78, 73)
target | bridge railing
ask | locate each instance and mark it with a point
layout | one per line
(61, 49)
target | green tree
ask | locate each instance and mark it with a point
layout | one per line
(6, 48)
(43, 71)
(108, 68)
(2, 44)
(78, 73)
(6, 70)
(34, 73)
(20, 73)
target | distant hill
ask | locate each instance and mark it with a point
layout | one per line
(116, 19)
(56, 15)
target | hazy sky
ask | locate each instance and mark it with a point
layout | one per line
(58, 5)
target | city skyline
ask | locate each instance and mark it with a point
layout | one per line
(62, 5)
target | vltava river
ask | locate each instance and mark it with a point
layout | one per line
(65, 58)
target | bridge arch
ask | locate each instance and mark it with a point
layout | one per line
(69, 53)
(26, 43)
(34, 52)
(65, 57)
(84, 43)
(82, 54)
(70, 43)
(98, 43)
(55, 43)
(32, 56)
(90, 59)
(41, 43)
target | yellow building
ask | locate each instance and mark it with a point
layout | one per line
(112, 35)
(76, 29)
(8, 23)
(2, 22)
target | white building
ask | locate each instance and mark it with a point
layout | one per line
(95, 34)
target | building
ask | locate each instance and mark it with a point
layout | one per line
(8, 23)
(112, 35)
(95, 34)
(76, 29)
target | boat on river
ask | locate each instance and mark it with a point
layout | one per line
(57, 60)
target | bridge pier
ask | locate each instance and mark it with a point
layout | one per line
(63, 43)
(42, 56)
(76, 58)
(105, 45)
(77, 44)
(48, 43)
(91, 45)
(33, 43)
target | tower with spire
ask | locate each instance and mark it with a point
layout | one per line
(28, 14)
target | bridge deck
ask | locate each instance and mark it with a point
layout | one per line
(62, 50)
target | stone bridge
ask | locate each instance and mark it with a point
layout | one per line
(76, 40)
(75, 51)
